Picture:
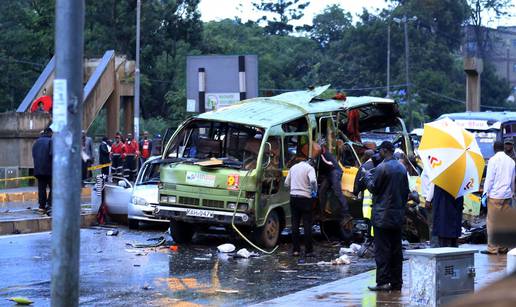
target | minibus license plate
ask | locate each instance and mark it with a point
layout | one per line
(199, 213)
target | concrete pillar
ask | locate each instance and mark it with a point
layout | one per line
(128, 114)
(473, 67)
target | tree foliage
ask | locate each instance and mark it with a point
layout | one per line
(349, 54)
(282, 11)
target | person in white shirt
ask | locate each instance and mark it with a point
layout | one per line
(302, 181)
(499, 188)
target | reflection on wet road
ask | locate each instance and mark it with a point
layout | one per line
(115, 274)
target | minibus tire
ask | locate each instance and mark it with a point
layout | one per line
(268, 235)
(181, 232)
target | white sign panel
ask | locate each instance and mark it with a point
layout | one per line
(202, 179)
(190, 105)
(216, 101)
(59, 113)
(473, 124)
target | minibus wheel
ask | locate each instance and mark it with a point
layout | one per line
(181, 232)
(268, 235)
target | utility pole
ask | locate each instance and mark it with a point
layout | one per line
(137, 75)
(66, 145)
(388, 59)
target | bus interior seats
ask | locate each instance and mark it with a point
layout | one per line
(207, 148)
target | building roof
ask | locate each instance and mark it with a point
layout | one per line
(488, 116)
(266, 112)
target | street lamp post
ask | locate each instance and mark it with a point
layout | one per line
(137, 75)
(405, 20)
(388, 59)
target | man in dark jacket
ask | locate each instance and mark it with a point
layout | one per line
(42, 156)
(104, 151)
(388, 183)
(330, 171)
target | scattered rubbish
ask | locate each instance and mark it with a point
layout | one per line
(36, 257)
(160, 241)
(345, 250)
(174, 248)
(355, 247)
(112, 233)
(344, 259)
(244, 253)
(136, 265)
(146, 287)
(201, 259)
(21, 300)
(405, 242)
(257, 271)
(228, 291)
(226, 248)
(287, 271)
(141, 254)
(308, 277)
(208, 255)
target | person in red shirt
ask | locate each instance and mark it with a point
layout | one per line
(117, 150)
(130, 156)
(145, 147)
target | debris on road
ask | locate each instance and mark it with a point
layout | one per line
(228, 291)
(287, 271)
(344, 259)
(244, 253)
(112, 233)
(160, 241)
(174, 248)
(146, 287)
(308, 277)
(201, 259)
(352, 249)
(21, 300)
(226, 248)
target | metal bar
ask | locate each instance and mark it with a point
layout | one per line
(405, 30)
(137, 75)
(388, 58)
(66, 180)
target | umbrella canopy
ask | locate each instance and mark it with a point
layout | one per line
(451, 157)
(47, 103)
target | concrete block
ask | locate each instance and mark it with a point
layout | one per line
(26, 226)
(15, 197)
(30, 196)
(44, 224)
(6, 228)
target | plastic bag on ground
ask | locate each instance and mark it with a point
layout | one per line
(355, 247)
(345, 250)
(226, 248)
(244, 253)
(344, 259)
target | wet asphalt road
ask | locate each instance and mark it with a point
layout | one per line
(115, 274)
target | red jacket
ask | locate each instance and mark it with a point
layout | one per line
(117, 148)
(145, 148)
(130, 147)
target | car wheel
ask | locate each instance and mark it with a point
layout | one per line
(133, 224)
(268, 235)
(181, 232)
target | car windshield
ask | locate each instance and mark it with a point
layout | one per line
(150, 174)
(235, 144)
(485, 140)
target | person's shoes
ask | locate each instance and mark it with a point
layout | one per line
(41, 210)
(488, 252)
(385, 287)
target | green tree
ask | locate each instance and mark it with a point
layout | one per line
(283, 11)
(330, 25)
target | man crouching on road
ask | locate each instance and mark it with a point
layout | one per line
(303, 189)
(388, 183)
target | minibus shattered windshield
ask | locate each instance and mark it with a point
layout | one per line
(235, 144)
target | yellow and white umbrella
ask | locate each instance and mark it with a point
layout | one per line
(451, 157)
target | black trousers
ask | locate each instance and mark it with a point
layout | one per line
(44, 200)
(448, 242)
(388, 256)
(333, 181)
(301, 208)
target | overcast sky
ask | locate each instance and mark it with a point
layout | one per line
(221, 9)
